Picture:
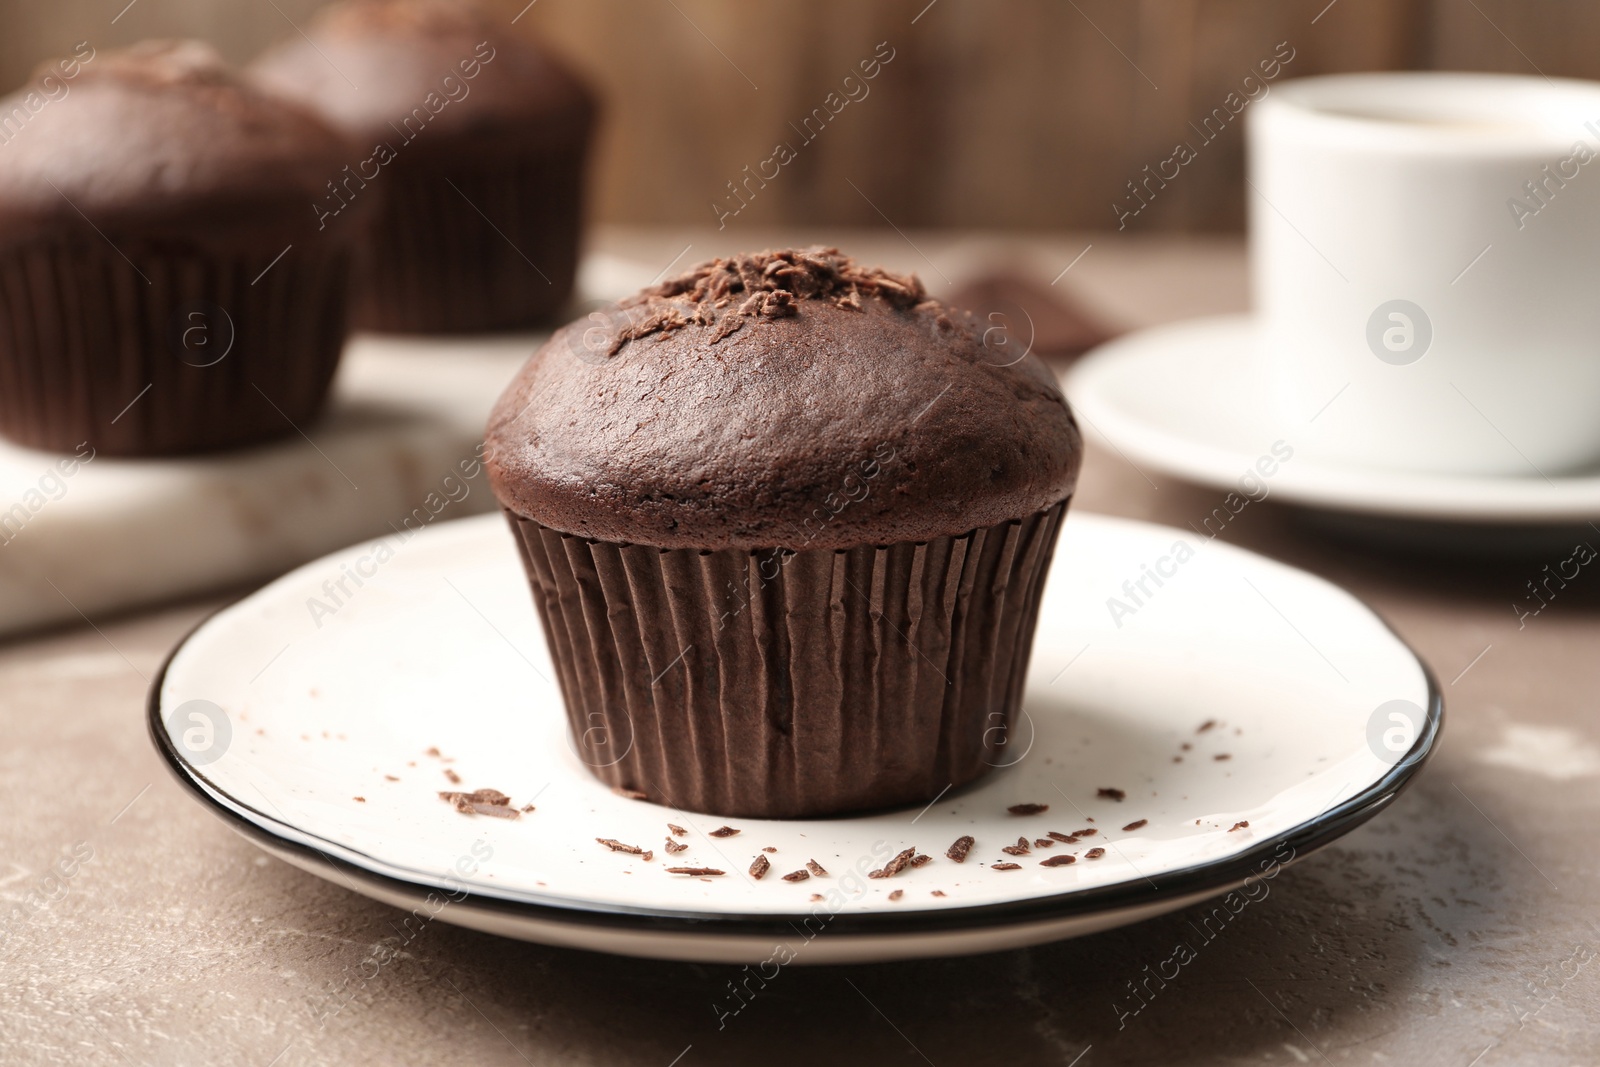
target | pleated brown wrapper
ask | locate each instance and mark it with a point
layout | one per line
(437, 264)
(852, 680)
(190, 357)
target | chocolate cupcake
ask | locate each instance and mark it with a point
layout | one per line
(787, 522)
(475, 139)
(163, 286)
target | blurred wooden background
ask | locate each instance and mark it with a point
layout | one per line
(992, 113)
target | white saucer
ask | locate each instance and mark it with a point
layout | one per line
(1189, 400)
(439, 648)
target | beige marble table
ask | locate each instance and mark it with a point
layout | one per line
(1457, 928)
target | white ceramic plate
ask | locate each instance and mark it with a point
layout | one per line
(439, 648)
(1189, 400)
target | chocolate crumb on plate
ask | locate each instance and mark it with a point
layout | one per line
(697, 871)
(958, 851)
(897, 894)
(724, 831)
(1044, 842)
(797, 876)
(390, 778)
(1107, 793)
(760, 867)
(938, 892)
(455, 779)
(900, 862)
(769, 848)
(1241, 825)
(359, 800)
(647, 855)
(526, 808)
(1136, 824)
(674, 846)
(630, 794)
(434, 752)
(919, 859)
(1006, 866)
(678, 830)
(1090, 832)
(816, 896)
(617, 846)
(1094, 853)
(1059, 861)
(1220, 756)
(1070, 839)
(816, 868)
(1208, 724)
(489, 802)
(1028, 809)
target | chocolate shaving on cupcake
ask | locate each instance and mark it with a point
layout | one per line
(725, 294)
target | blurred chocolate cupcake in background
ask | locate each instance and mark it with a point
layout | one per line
(164, 287)
(476, 139)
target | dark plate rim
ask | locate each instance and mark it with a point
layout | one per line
(1210, 877)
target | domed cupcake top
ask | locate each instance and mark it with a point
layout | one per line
(161, 133)
(790, 399)
(370, 65)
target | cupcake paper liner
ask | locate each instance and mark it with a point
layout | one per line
(792, 684)
(91, 351)
(470, 249)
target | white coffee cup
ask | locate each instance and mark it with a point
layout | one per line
(1425, 258)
